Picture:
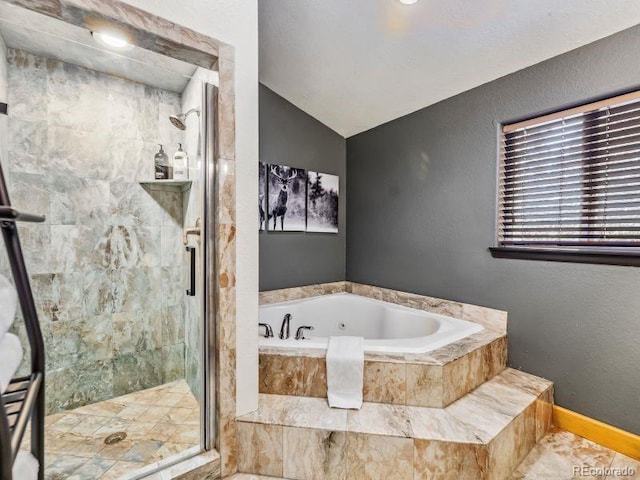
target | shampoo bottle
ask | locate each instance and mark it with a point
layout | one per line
(180, 164)
(161, 161)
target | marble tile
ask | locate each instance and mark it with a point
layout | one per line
(142, 451)
(556, 456)
(300, 412)
(424, 385)
(522, 381)
(371, 457)
(420, 302)
(281, 375)
(186, 434)
(462, 375)
(133, 411)
(58, 296)
(482, 414)
(65, 466)
(458, 348)
(487, 317)
(296, 293)
(93, 468)
(249, 476)
(438, 424)
(261, 450)
(314, 377)
(169, 449)
(89, 384)
(544, 413)
(622, 463)
(512, 444)
(226, 129)
(173, 323)
(119, 468)
(380, 419)
(385, 382)
(136, 331)
(77, 341)
(108, 408)
(27, 146)
(177, 415)
(204, 466)
(136, 371)
(162, 432)
(314, 454)
(435, 460)
(27, 76)
(173, 362)
(154, 414)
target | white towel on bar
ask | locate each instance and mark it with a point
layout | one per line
(10, 358)
(25, 467)
(345, 371)
(8, 303)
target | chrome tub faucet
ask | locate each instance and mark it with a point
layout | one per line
(300, 332)
(284, 329)
(268, 331)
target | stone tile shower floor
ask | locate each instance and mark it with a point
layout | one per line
(159, 422)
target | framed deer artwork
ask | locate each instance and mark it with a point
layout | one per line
(287, 194)
(322, 202)
(262, 195)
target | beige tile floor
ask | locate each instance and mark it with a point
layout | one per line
(159, 422)
(554, 458)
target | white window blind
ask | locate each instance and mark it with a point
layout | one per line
(572, 178)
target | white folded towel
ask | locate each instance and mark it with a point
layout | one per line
(345, 371)
(8, 303)
(25, 467)
(10, 358)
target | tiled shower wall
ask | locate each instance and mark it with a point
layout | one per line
(107, 266)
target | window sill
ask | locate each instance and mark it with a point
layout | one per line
(606, 256)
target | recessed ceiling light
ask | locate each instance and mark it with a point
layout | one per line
(112, 41)
(408, 2)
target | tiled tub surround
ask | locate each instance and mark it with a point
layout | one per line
(159, 422)
(432, 379)
(483, 435)
(107, 266)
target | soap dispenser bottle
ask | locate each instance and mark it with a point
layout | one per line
(180, 164)
(161, 161)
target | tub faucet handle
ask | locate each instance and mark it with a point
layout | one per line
(300, 332)
(268, 331)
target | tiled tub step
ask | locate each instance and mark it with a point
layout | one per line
(483, 435)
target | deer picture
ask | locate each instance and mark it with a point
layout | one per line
(261, 211)
(280, 208)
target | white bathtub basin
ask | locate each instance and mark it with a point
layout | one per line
(386, 327)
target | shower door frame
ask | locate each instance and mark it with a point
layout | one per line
(208, 417)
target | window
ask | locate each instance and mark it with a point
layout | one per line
(569, 184)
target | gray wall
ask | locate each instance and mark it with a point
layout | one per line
(291, 137)
(421, 215)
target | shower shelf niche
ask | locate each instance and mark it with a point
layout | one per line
(166, 185)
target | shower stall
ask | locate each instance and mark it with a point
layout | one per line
(118, 267)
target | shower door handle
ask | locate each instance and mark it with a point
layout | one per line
(191, 291)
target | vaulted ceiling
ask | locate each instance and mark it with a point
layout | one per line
(355, 64)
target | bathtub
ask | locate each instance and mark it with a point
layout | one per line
(386, 327)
